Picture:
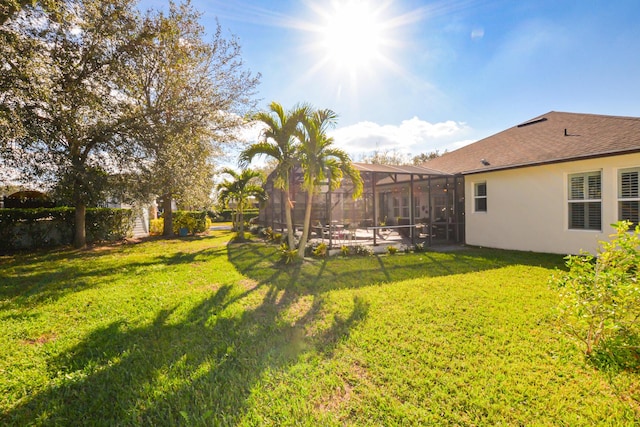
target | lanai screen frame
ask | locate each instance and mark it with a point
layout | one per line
(379, 180)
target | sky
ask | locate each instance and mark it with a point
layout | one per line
(415, 76)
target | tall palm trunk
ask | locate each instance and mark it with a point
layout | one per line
(240, 221)
(289, 220)
(307, 223)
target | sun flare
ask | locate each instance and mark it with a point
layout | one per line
(352, 34)
(353, 45)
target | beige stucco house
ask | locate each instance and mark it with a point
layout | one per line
(552, 184)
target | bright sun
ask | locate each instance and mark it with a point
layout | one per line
(355, 43)
(352, 34)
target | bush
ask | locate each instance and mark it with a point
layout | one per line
(320, 251)
(267, 233)
(362, 250)
(105, 224)
(600, 296)
(226, 215)
(46, 227)
(287, 255)
(391, 250)
(156, 226)
(193, 221)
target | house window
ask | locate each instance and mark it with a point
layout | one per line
(585, 201)
(480, 196)
(396, 207)
(628, 195)
(405, 206)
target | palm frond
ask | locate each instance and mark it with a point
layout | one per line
(263, 148)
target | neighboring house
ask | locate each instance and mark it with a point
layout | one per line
(26, 199)
(552, 184)
(141, 215)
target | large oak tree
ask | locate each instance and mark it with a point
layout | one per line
(94, 89)
(193, 95)
(63, 114)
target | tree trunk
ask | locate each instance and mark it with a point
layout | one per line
(306, 225)
(168, 216)
(241, 224)
(234, 220)
(80, 234)
(289, 220)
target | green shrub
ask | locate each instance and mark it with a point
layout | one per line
(287, 255)
(267, 233)
(226, 215)
(320, 251)
(391, 250)
(193, 221)
(46, 227)
(600, 296)
(344, 250)
(156, 226)
(362, 250)
(106, 224)
(420, 247)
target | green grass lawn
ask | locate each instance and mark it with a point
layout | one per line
(197, 332)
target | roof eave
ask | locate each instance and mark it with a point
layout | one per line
(552, 161)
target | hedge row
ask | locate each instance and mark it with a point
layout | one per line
(227, 214)
(45, 227)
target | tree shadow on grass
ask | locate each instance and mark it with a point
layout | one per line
(30, 280)
(258, 261)
(185, 367)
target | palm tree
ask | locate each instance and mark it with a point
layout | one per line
(244, 185)
(278, 142)
(321, 161)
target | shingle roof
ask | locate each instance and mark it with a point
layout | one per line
(549, 138)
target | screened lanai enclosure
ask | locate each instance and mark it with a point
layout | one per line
(399, 204)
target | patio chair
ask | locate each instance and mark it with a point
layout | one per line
(350, 233)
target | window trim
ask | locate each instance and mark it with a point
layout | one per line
(586, 198)
(621, 199)
(477, 197)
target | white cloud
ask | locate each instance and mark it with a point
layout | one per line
(412, 136)
(477, 33)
